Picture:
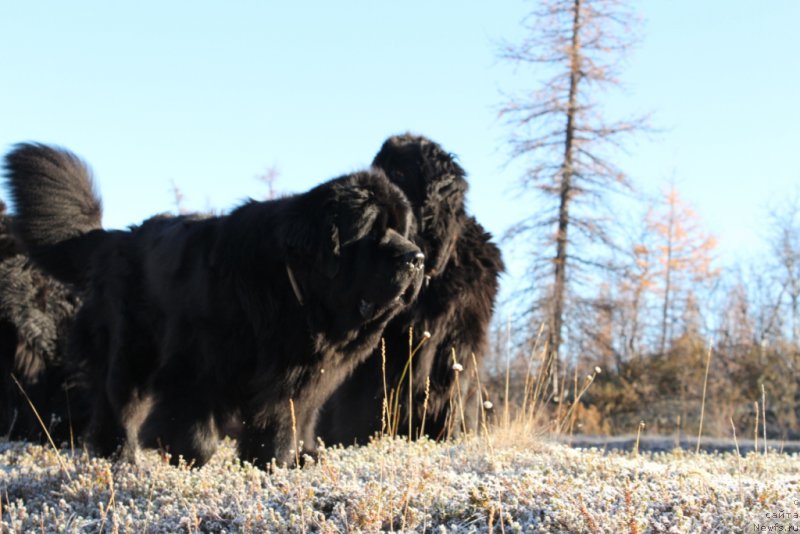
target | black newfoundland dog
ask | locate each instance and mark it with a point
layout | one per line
(455, 305)
(191, 321)
(35, 314)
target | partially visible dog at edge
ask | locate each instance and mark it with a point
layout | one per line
(455, 307)
(191, 321)
(35, 314)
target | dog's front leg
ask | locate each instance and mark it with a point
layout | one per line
(105, 433)
(272, 434)
(181, 422)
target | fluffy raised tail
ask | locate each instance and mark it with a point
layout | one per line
(58, 213)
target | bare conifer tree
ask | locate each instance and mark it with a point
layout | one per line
(786, 250)
(566, 143)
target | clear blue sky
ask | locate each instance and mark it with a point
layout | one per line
(208, 95)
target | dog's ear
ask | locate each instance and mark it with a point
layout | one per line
(313, 239)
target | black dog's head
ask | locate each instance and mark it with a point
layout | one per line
(354, 257)
(434, 184)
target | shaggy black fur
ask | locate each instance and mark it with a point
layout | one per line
(35, 313)
(455, 307)
(190, 321)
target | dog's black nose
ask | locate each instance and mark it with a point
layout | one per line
(415, 259)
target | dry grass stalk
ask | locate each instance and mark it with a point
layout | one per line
(457, 368)
(394, 396)
(483, 407)
(738, 461)
(561, 399)
(638, 437)
(574, 417)
(586, 384)
(449, 418)
(425, 405)
(294, 434)
(764, 415)
(69, 422)
(481, 400)
(735, 441)
(527, 394)
(755, 430)
(703, 403)
(539, 396)
(533, 397)
(506, 413)
(394, 418)
(410, 382)
(384, 422)
(385, 415)
(44, 428)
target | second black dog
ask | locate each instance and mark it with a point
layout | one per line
(455, 307)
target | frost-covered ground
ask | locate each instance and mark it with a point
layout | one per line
(469, 486)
